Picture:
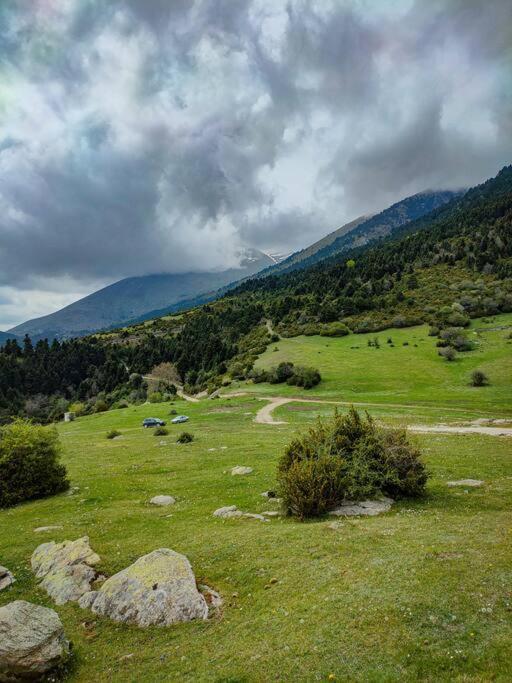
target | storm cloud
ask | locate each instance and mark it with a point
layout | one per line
(163, 136)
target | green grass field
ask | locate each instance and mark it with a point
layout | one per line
(353, 371)
(420, 593)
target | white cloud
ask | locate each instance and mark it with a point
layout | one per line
(144, 137)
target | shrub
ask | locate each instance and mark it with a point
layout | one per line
(304, 377)
(29, 463)
(185, 437)
(100, 406)
(347, 458)
(155, 397)
(173, 411)
(77, 408)
(160, 431)
(258, 375)
(282, 373)
(335, 329)
(448, 353)
(479, 378)
(113, 433)
(311, 487)
(456, 337)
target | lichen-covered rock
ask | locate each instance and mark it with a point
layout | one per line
(32, 641)
(66, 568)
(368, 508)
(239, 470)
(50, 556)
(69, 583)
(228, 511)
(158, 589)
(6, 578)
(162, 501)
(471, 483)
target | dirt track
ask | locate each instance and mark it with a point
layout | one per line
(264, 416)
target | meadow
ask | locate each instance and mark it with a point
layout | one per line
(409, 372)
(420, 593)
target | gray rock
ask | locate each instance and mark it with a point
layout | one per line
(213, 599)
(239, 470)
(66, 568)
(272, 513)
(42, 529)
(254, 515)
(158, 589)
(69, 583)
(269, 494)
(6, 578)
(473, 483)
(228, 511)
(369, 508)
(32, 641)
(162, 501)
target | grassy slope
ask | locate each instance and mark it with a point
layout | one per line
(422, 593)
(353, 371)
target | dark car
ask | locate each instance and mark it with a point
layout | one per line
(153, 422)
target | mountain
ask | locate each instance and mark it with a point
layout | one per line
(361, 231)
(4, 336)
(451, 264)
(365, 229)
(134, 297)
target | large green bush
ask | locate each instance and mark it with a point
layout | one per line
(349, 457)
(294, 375)
(29, 463)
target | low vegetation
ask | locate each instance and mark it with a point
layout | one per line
(293, 375)
(479, 378)
(30, 464)
(348, 458)
(185, 437)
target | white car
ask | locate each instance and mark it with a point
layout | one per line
(178, 420)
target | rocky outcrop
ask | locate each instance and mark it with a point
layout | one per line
(32, 641)
(230, 511)
(158, 589)
(471, 483)
(162, 501)
(368, 508)
(66, 569)
(6, 578)
(239, 470)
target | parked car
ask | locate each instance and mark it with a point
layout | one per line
(153, 422)
(178, 420)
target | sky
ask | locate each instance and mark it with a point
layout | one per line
(146, 136)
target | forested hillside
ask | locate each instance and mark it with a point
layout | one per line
(365, 230)
(449, 265)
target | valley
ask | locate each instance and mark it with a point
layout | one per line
(420, 592)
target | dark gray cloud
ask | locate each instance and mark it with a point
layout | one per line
(140, 137)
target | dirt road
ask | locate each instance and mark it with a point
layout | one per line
(264, 416)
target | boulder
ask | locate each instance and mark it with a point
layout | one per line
(228, 511)
(6, 578)
(239, 470)
(369, 508)
(162, 501)
(66, 568)
(472, 483)
(32, 641)
(158, 589)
